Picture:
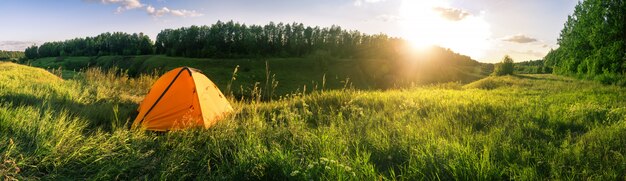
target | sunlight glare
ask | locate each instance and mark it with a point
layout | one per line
(423, 26)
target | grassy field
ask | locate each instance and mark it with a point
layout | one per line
(289, 75)
(523, 127)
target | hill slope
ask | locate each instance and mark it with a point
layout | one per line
(290, 75)
(517, 127)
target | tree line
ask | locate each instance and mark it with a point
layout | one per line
(235, 40)
(230, 39)
(593, 41)
(117, 43)
(11, 55)
(532, 67)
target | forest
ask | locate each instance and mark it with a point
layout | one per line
(230, 39)
(235, 40)
(532, 67)
(592, 43)
(10, 55)
(117, 43)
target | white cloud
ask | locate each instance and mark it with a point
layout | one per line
(519, 38)
(388, 18)
(157, 13)
(535, 53)
(529, 54)
(175, 12)
(452, 14)
(361, 2)
(123, 4)
(186, 13)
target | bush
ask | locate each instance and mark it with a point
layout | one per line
(547, 70)
(505, 67)
(611, 79)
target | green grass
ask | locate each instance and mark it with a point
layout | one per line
(290, 75)
(524, 127)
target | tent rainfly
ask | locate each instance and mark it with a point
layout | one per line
(182, 98)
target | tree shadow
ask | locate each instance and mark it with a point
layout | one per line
(103, 115)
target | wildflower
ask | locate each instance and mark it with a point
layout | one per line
(324, 159)
(333, 161)
(327, 167)
(310, 166)
(294, 173)
(348, 168)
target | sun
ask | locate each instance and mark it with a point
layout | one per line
(420, 21)
(423, 27)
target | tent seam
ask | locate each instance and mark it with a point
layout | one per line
(164, 92)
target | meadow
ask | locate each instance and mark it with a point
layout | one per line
(520, 127)
(285, 75)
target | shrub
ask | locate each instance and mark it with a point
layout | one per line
(547, 70)
(505, 67)
(611, 79)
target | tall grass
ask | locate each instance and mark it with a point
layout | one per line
(529, 127)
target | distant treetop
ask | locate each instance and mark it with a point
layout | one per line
(235, 40)
(117, 43)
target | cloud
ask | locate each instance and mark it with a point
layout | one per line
(15, 45)
(186, 13)
(529, 52)
(388, 18)
(361, 2)
(176, 12)
(422, 25)
(519, 38)
(157, 13)
(452, 14)
(124, 5)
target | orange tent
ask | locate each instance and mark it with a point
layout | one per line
(182, 98)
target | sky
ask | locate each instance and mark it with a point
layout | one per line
(485, 30)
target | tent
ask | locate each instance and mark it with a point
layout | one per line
(182, 98)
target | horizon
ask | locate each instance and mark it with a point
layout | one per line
(483, 30)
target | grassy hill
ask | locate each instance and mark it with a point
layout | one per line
(287, 75)
(526, 127)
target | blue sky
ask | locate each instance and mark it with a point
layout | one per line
(484, 29)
